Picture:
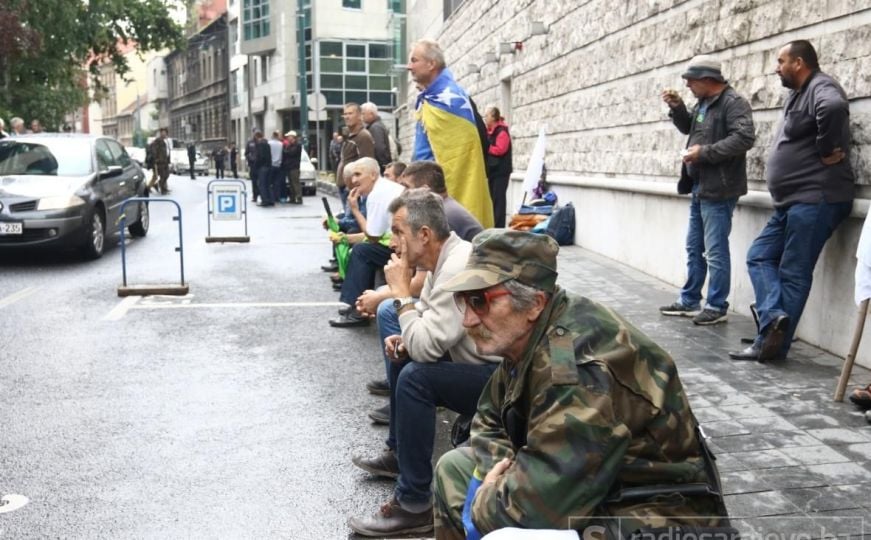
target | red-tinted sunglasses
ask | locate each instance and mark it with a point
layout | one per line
(479, 301)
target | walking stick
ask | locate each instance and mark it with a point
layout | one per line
(851, 355)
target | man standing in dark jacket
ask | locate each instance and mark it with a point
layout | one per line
(714, 172)
(263, 166)
(251, 159)
(811, 183)
(381, 138)
(292, 156)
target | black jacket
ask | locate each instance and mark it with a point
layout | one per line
(723, 159)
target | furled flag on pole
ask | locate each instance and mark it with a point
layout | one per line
(447, 133)
(863, 263)
(536, 162)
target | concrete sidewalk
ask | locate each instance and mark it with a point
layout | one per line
(792, 460)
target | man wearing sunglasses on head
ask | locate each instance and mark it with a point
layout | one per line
(583, 410)
(431, 361)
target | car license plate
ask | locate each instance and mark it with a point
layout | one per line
(11, 228)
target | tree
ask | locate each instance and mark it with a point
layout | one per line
(48, 48)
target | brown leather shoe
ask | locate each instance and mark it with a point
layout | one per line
(392, 520)
(385, 464)
(861, 397)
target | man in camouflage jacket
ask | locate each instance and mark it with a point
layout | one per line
(582, 406)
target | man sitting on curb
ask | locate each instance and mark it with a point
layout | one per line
(432, 362)
(366, 257)
(418, 174)
(586, 416)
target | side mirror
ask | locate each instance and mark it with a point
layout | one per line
(111, 172)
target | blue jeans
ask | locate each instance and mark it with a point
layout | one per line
(708, 251)
(416, 389)
(366, 258)
(782, 258)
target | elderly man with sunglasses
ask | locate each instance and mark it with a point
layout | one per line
(432, 362)
(583, 410)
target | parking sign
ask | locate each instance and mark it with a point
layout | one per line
(227, 202)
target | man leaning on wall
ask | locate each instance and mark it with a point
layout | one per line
(714, 173)
(811, 184)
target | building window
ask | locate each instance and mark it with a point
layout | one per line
(264, 68)
(351, 4)
(355, 71)
(255, 17)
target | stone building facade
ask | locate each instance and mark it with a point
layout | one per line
(593, 73)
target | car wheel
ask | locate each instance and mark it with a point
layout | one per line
(140, 227)
(95, 240)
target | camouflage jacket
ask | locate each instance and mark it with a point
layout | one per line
(594, 405)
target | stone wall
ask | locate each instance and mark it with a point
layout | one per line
(594, 80)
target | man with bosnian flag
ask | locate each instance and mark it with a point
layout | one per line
(447, 132)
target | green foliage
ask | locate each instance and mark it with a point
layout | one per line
(48, 48)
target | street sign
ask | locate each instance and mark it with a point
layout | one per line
(227, 202)
(317, 102)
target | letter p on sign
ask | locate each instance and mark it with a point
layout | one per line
(226, 204)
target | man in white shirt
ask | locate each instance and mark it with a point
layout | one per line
(275, 174)
(366, 257)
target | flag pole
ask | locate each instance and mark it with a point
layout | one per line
(847, 369)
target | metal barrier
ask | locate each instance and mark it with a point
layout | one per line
(146, 290)
(227, 202)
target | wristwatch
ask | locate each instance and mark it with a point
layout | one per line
(400, 303)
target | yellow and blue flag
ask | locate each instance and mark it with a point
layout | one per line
(446, 133)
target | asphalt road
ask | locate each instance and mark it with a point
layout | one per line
(232, 412)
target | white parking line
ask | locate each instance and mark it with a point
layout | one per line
(121, 309)
(14, 297)
(238, 305)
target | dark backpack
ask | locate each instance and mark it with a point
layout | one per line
(561, 226)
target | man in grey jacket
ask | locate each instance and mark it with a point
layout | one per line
(811, 183)
(714, 172)
(379, 133)
(432, 361)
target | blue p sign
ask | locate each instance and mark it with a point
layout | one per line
(226, 204)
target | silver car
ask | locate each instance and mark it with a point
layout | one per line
(66, 191)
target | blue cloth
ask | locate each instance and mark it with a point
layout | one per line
(366, 259)
(348, 223)
(471, 531)
(782, 258)
(707, 248)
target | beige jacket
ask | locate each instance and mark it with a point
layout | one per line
(435, 326)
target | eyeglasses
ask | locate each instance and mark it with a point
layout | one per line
(479, 301)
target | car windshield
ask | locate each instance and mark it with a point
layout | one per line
(61, 157)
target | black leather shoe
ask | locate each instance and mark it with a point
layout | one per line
(335, 278)
(381, 415)
(378, 388)
(337, 286)
(332, 267)
(773, 340)
(345, 310)
(349, 320)
(750, 353)
(385, 464)
(392, 520)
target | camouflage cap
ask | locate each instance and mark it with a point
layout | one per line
(499, 255)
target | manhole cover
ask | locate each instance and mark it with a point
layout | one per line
(12, 502)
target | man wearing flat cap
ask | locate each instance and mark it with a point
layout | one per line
(714, 173)
(582, 412)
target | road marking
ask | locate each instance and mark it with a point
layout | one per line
(238, 305)
(14, 297)
(121, 309)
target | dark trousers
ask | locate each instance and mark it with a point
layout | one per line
(191, 163)
(252, 175)
(219, 172)
(233, 169)
(498, 187)
(366, 259)
(295, 190)
(264, 183)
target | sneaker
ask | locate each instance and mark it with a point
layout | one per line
(381, 415)
(709, 316)
(385, 464)
(679, 310)
(392, 520)
(378, 388)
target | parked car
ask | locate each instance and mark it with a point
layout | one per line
(66, 190)
(179, 164)
(308, 175)
(136, 154)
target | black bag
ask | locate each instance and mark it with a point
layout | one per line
(561, 226)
